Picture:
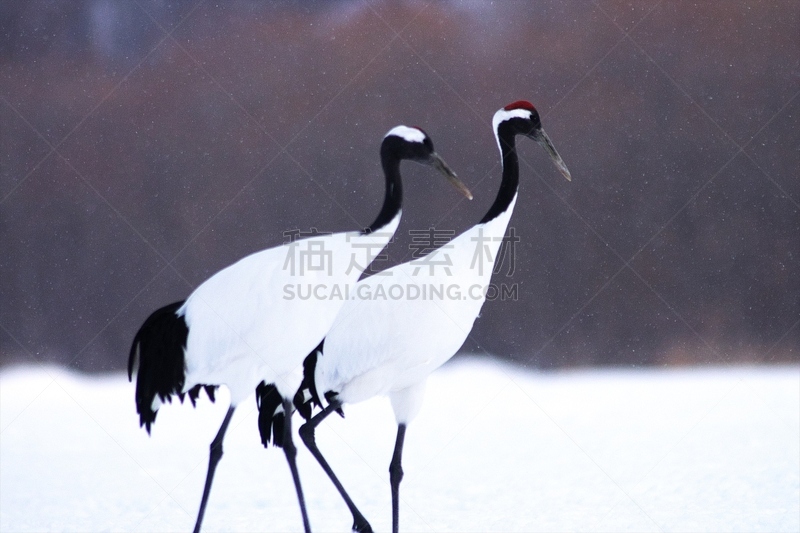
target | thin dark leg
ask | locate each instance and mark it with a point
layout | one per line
(360, 523)
(291, 453)
(214, 457)
(396, 476)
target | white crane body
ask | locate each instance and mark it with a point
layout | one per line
(235, 311)
(382, 346)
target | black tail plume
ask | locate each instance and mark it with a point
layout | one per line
(159, 347)
(307, 397)
(271, 416)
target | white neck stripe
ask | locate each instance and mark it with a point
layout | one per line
(502, 115)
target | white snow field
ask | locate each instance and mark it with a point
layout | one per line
(496, 448)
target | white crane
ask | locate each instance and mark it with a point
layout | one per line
(241, 327)
(384, 346)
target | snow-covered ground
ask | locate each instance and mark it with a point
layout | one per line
(495, 448)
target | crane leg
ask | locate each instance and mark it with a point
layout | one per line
(396, 476)
(291, 453)
(360, 523)
(214, 457)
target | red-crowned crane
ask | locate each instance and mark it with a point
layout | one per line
(382, 346)
(239, 328)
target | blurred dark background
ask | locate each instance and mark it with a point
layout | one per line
(146, 144)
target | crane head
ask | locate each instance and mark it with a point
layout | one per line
(523, 119)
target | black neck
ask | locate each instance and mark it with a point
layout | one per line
(393, 199)
(510, 182)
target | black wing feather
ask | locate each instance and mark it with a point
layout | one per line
(270, 422)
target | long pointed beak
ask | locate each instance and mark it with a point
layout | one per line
(438, 163)
(544, 140)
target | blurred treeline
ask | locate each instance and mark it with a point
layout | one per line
(145, 145)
